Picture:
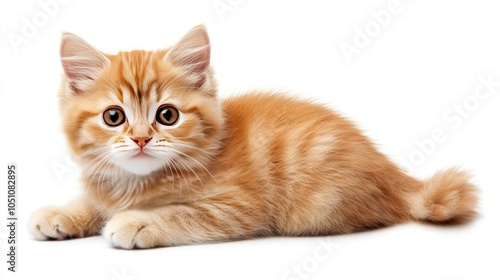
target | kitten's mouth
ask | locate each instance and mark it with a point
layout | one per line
(142, 154)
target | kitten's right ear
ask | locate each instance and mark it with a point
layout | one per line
(82, 63)
(192, 54)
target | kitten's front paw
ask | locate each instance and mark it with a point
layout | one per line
(134, 229)
(52, 224)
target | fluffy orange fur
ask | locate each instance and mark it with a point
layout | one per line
(258, 164)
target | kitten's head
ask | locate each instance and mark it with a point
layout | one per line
(140, 111)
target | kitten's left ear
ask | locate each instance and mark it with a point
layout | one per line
(82, 63)
(192, 53)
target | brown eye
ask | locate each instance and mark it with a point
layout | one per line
(113, 116)
(167, 115)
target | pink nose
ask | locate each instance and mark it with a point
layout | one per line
(141, 141)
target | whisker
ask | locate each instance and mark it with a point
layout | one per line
(196, 161)
(194, 148)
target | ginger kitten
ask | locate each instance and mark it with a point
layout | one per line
(165, 163)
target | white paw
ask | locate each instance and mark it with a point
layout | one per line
(134, 229)
(52, 224)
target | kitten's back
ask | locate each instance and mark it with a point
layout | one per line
(318, 174)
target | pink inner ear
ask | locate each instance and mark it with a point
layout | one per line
(82, 63)
(192, 51)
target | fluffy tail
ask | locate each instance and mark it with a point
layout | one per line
(447, 197)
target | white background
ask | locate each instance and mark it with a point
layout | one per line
(427, 60)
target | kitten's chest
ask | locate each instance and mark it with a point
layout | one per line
(160, 191)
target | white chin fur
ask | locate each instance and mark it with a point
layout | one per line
(140, 165)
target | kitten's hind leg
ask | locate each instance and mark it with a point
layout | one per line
(77, 219)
